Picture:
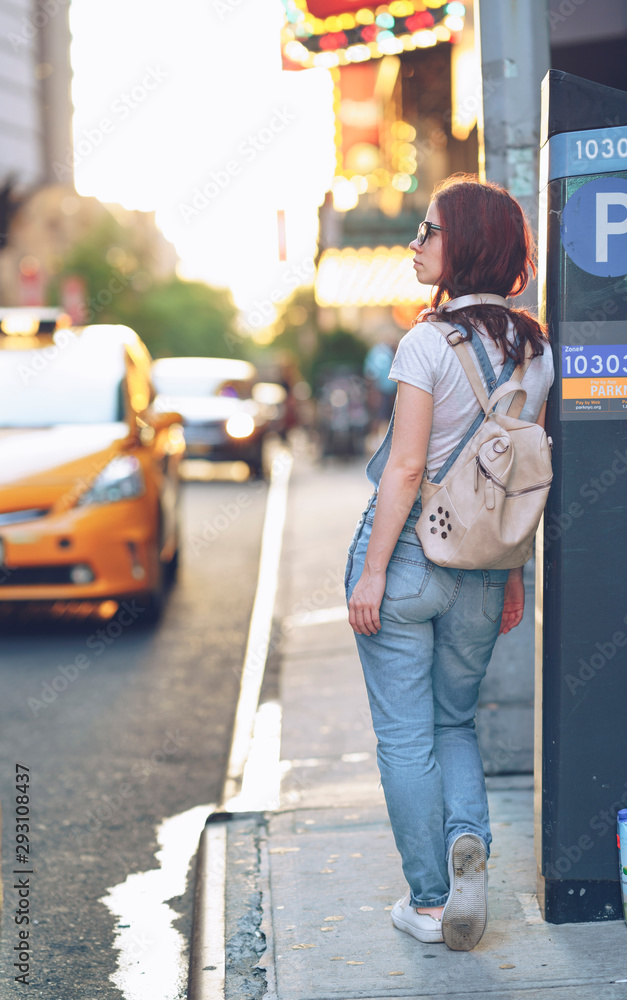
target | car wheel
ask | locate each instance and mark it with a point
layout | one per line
(256, 463)
(256, 470)
(171, 568)
(154, 600)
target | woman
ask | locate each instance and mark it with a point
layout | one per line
(425, 633)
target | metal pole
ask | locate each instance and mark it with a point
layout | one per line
(513, 39)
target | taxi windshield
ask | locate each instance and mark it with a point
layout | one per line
(51, 385)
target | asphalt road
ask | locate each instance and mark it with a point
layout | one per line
(138, 735)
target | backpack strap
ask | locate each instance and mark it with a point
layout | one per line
(454, 336)
(515, 407)
(455, 339)
(511, 385)
(504, 390)
(462, 352)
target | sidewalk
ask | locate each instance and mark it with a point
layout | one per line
(329, 872)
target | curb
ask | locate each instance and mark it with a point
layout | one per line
(207, 967)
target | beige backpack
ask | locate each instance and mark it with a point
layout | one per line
(485, 512)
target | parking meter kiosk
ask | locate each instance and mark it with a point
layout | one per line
(581, 641)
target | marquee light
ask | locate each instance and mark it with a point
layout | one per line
(356, 53)
(345, 195)
(367, 33)
(296, 52)
(390, 45)
(425, 39)
(453, 23)
(327, 60)
(403, 182)
(366, 277)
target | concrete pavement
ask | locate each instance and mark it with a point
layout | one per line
(318, 877)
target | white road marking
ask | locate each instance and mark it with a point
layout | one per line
(323, 616)
(346, 758)
(261, 784)
(150, 961)
(260, 623)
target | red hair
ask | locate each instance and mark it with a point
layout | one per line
(487, 246)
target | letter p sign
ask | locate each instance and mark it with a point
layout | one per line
(594, 226)
(605, 228)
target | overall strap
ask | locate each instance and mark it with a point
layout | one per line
(484, 361)
(491, 381)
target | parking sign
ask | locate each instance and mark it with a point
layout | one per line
(594, 227)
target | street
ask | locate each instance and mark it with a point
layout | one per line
(121, 729)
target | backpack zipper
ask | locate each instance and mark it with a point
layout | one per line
(499, 485)
(480, 468)
(529, 489)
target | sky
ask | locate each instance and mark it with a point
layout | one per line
(183, 109)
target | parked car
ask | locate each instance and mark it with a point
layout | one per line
(88, 467)
(227, 414)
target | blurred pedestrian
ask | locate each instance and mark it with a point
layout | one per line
(425, 633)
(381, 388)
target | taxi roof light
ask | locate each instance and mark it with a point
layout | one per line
(19, 326)
(26, 322)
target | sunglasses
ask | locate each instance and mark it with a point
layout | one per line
(424, 231)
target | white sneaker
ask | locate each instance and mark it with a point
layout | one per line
(466, 910)
(422, 926)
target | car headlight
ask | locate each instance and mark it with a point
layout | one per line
(240, 425)
(121, 479)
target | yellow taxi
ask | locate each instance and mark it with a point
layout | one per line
(88, 468)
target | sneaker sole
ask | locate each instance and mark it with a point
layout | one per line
(466, 912)
(427, 937)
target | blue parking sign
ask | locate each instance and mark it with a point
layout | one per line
(594, 227)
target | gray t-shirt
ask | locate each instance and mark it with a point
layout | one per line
(425, 360)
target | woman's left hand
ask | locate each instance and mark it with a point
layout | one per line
(363, 607)
(514, 603)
